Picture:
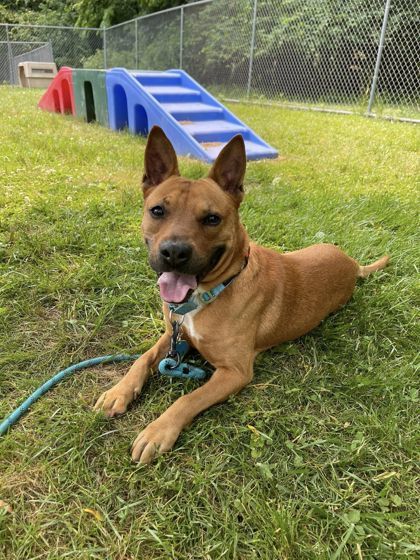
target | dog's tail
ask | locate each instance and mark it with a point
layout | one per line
(364, 271)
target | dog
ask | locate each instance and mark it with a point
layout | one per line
(196, 242)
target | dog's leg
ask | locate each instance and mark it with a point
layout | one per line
(116, 400)
(160, 435)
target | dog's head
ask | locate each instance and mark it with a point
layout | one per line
(191, 227)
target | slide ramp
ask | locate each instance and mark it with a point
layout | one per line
(196, 123)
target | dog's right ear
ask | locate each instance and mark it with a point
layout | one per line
(160, 161)
(228, 170)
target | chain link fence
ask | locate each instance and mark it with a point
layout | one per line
(352, 55)
(70, 46)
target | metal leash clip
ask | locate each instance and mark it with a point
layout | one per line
(172, 365)
(173, 352)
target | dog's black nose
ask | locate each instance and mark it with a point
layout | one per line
(175, 253)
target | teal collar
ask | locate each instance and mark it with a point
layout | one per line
(204, 298)
(199, 299)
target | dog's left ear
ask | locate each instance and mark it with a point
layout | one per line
(160, 161)
(228, 170)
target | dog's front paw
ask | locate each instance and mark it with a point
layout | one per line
(115, 401)
(158, 437)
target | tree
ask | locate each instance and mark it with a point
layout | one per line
(110, 12)
(85, 13)
(47, 12)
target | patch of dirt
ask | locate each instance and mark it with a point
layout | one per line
(211, 144)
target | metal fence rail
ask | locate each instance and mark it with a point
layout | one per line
(357, 55)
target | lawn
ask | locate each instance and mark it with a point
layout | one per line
(316, 459)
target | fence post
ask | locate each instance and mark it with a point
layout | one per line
(379, 57)
(251, 54)
(104, 41)
(10, 56)
(181, 36)
(137, 44)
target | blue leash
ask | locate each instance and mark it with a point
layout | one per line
(167, 366)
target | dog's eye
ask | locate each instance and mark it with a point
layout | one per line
(157, 212)
(212, 220)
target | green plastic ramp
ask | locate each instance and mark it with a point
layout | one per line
(90, 96)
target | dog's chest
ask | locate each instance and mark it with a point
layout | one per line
(190, 326)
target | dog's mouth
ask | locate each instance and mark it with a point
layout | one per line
(175, 287)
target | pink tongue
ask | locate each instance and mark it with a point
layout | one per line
(174, 287)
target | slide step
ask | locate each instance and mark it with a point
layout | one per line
(253, 150)
(192, 111)
(172, 93)
(211, 131)
(157, 78)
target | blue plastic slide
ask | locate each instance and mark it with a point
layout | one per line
(195, 122)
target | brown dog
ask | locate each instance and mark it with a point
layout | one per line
(196, 242)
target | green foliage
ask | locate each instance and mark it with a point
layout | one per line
(111, 12)
(46, 12)
(85, 13)
(149, 6)
(314, 51)
(330, 47)
(105, 12)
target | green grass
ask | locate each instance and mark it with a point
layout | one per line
(316, 459)
(382, 107)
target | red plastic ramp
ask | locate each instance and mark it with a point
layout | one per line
(59, 97)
